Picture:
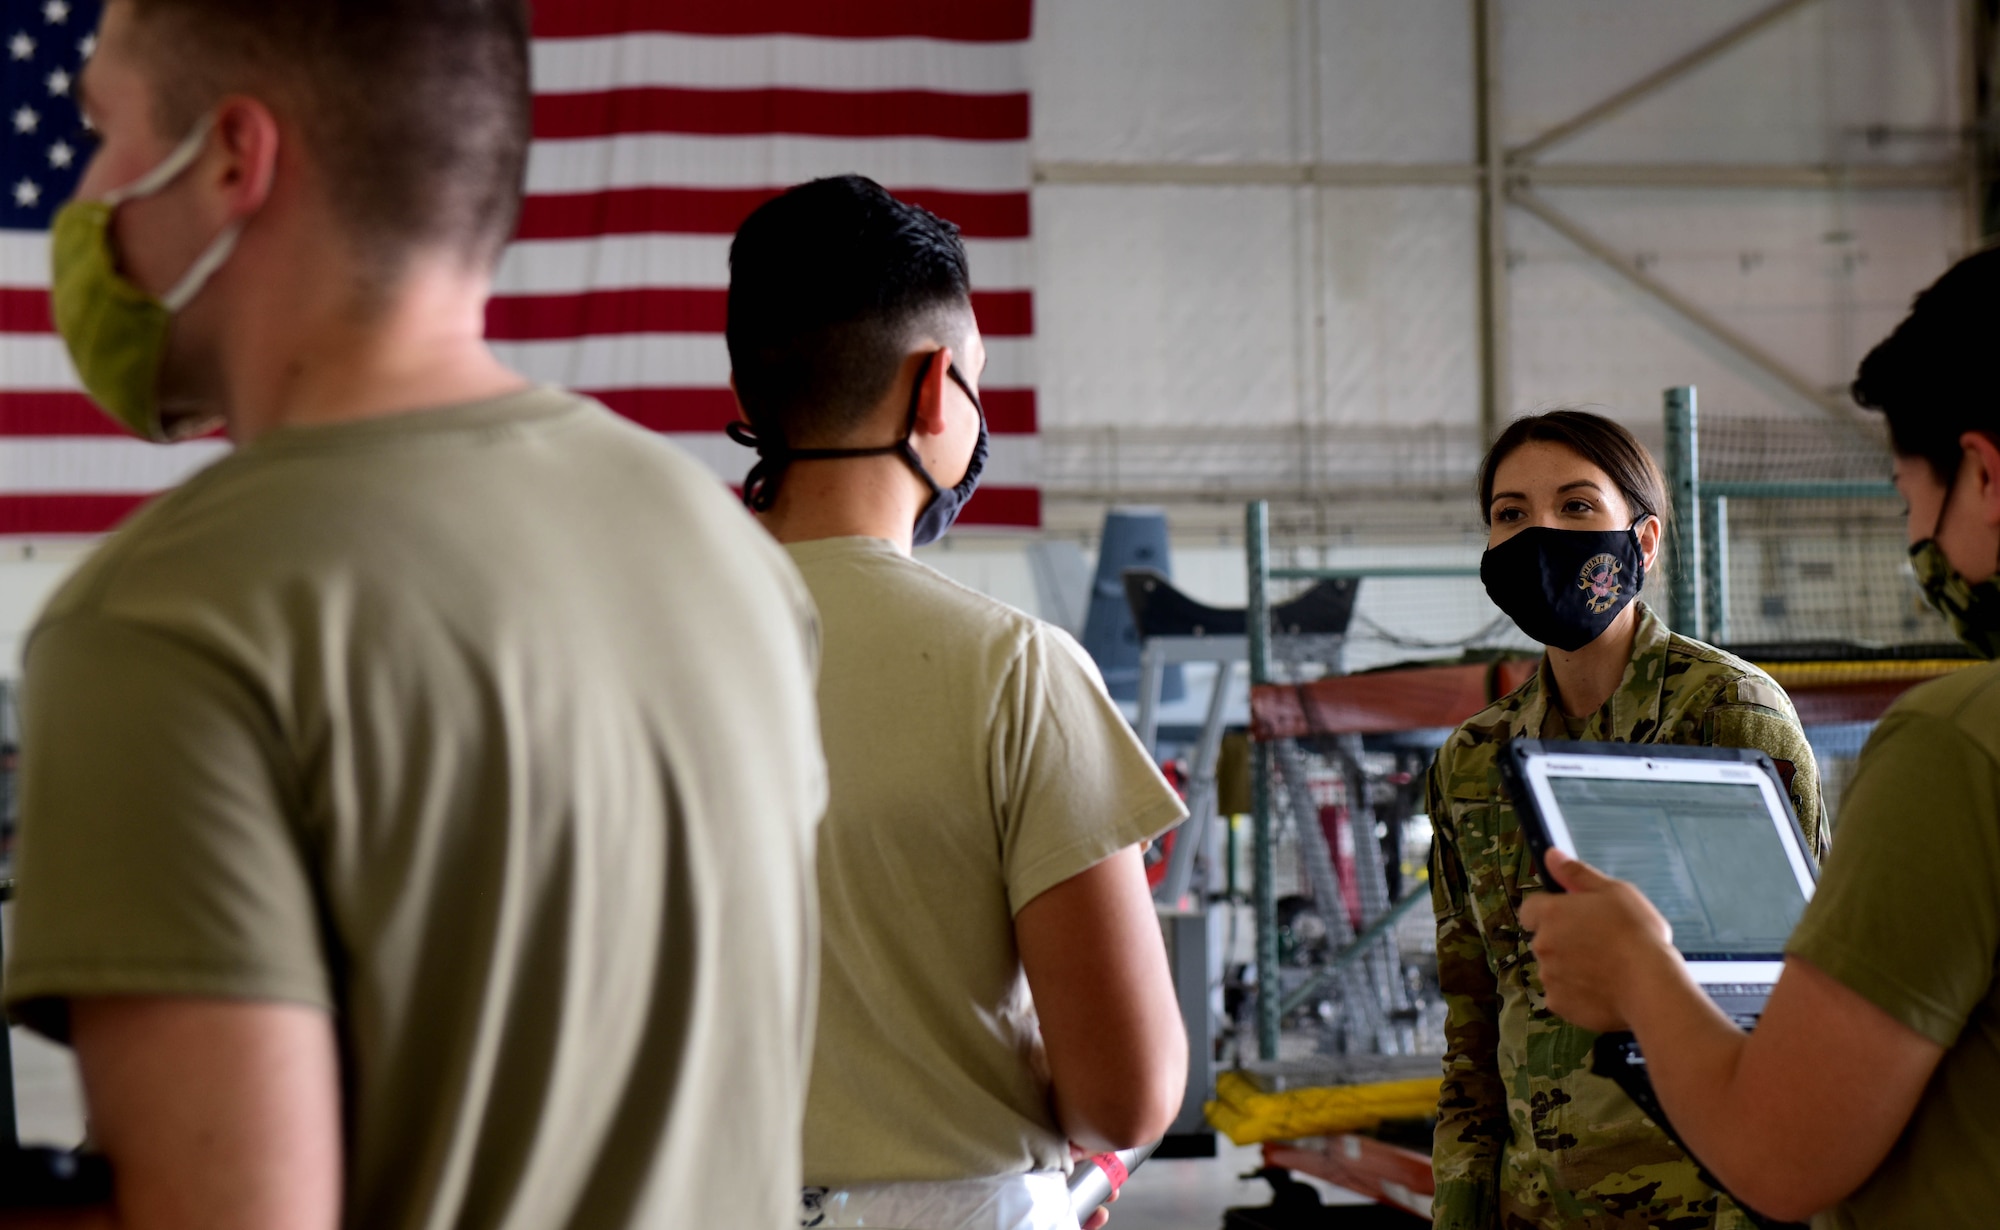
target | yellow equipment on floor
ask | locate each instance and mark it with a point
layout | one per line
(1248, 1115)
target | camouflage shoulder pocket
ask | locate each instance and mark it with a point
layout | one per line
(1495, 861)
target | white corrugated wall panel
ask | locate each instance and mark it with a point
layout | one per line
(1804, 89)
(1165, 80)
(1166, 306)
(1401, 319)
(1396, 81)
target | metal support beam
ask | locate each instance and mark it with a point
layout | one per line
(1376, 572)
(1802, 489)
(1982, 117)
(1495, 393)
(1750, 175)
(1602, 252)
(1256, 528)
(1714, 568)
(1359, 948)
(1824, 176)
(1271, 174)
(1684, 492)
(1656, 80)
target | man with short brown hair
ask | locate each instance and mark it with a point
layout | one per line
(419, 802)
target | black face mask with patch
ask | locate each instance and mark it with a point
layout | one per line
(1564, 587)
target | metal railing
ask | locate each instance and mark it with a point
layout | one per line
(1272, 1003)
(1699, 560)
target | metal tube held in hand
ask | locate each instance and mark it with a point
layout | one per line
(1097, 1177)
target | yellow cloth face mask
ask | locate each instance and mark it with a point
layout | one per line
(117, 333)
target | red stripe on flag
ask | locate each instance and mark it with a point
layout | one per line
(694, 411)
(600, 313)
(988, 21)
(1009, 412)
(603, 313)
(719, 211)
(817, 113)
(53, 414)
(65, 514)
(1004, 507)
(98, 514)
(684, 410)
(25, 311)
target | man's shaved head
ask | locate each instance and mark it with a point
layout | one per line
(415, 113)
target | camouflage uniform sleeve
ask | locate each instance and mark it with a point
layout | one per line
(1756, 713)
(1472, 1104)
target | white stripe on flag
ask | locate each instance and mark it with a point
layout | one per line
(38, 361)
(35, 361)
(656, 161)
(612, 262)
(99, 465)
(693, 360)
(622, 262)
(112, 465)
(1011, 461)
(786, 61)
(24, 260)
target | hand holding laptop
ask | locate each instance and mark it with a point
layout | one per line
(1597, 942)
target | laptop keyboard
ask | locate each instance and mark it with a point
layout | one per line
(1742, 1002)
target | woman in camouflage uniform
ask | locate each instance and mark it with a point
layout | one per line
(1526, 1135)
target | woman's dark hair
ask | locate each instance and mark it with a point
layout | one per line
(1597, 440)
(1934, 379)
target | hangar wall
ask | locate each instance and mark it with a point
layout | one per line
(1259, 246)
(1258, 226)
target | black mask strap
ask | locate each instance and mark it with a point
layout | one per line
(1944, 505)
(774, 456)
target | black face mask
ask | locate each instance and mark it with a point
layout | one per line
(1564, 587)
(760, 487)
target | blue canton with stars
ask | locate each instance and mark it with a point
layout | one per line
(43, 143)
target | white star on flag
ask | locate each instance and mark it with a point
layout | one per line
(25, 120)
(87, 46)
(27, 193)
(61, 155)
(59, 82)
(21, 47)
(56, 12)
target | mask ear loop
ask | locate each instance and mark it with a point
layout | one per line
(204, 268)
(1633, 530)
(168, 170)
(903, 446)
(1944, 506)
(1937, 526)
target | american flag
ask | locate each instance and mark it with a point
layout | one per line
(659, 125)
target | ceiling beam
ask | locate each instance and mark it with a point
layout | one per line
(1604, 254)
(1872, 177)
(1656, 80)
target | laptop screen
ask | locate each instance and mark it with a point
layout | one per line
(1705, 853)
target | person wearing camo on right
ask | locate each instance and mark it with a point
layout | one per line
(1527, 1136)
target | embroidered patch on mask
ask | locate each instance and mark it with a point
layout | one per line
(1599, 579)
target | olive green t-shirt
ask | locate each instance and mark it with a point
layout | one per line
(974, 762)
(1908, 916)
(489, 730)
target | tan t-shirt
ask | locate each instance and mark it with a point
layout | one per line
(490, 730)
(1908, 917)
(974, 762)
